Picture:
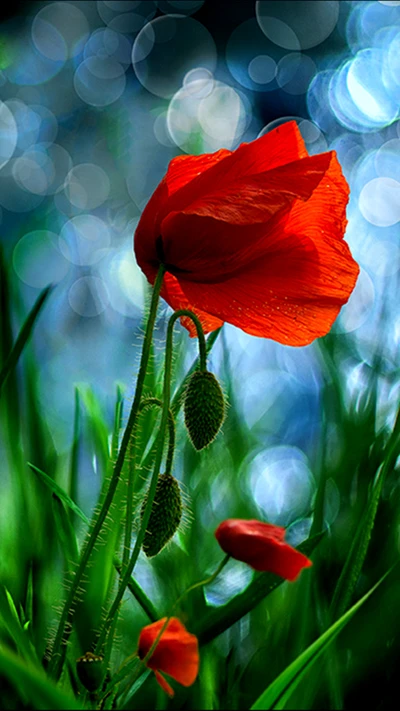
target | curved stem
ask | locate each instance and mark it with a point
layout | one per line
(154, 401)
(201, 583)
(153, 484)
(67, 615)
(200, 334)
(207, 581)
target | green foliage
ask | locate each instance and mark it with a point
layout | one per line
(279, 692)
(34, 685)
(258, 639)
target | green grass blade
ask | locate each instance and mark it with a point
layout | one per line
(73, 467)
(281, 689)
(221, 618)
(59, 492)
(133, 586)
(23, 336)
(66, 534)
(40, 690)
(358, 550)
(15, 629)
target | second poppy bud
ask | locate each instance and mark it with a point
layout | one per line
(165, 516)
(204, 408)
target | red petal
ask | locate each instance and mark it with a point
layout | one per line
(293, 292)
(178, 657)
(176, 653)
(189, 238)
(231, 527)
(164, 684)
(190, 177)
(261, 546)
(327, 204)
(183, 169)
(281, 146)
(174, 296)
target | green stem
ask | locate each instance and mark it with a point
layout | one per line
(139, 595)
(157, 464)
(148, 402)
(150, 497)
(201, 583)
(177, 400)
(67, 615)
(155, 402)
(200, 335)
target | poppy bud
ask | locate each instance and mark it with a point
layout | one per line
(90, 670)
(165, 516)
(204, 408)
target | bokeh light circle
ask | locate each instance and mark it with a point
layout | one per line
(297, 24)
(381, 257)
(87, 186)
(27, 123)
(359, 306)
(186, 42)
(358, 96)
(282, 483)
(84, 239)
(184, 7)
(379, 202)
(125, 281)
(295, 72)
(200, 120)
(37, 260)
(100, 81)
(128, 16)
(262, 69)
(8, 134)
(251, 58)
(34, 172)
(105, 43)
(313, 137)
(88, 296)
(13, 196)
(59, 31)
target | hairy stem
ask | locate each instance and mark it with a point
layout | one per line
(67, 615)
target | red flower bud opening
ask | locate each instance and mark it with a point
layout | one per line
(176, 654)
(253, 237)
(262, 546)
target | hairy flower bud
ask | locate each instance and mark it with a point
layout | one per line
(165, 516)
(204, 408)
(90, 670)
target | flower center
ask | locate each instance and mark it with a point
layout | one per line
(161, 256)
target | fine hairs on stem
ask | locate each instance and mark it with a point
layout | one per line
(157, 464)
(67, 615)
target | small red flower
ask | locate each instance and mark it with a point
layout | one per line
(253, 237)
(262, 546)
(176, 654)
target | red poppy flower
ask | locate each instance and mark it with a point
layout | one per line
(252, 237)
(262, 546)
(176, 654)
